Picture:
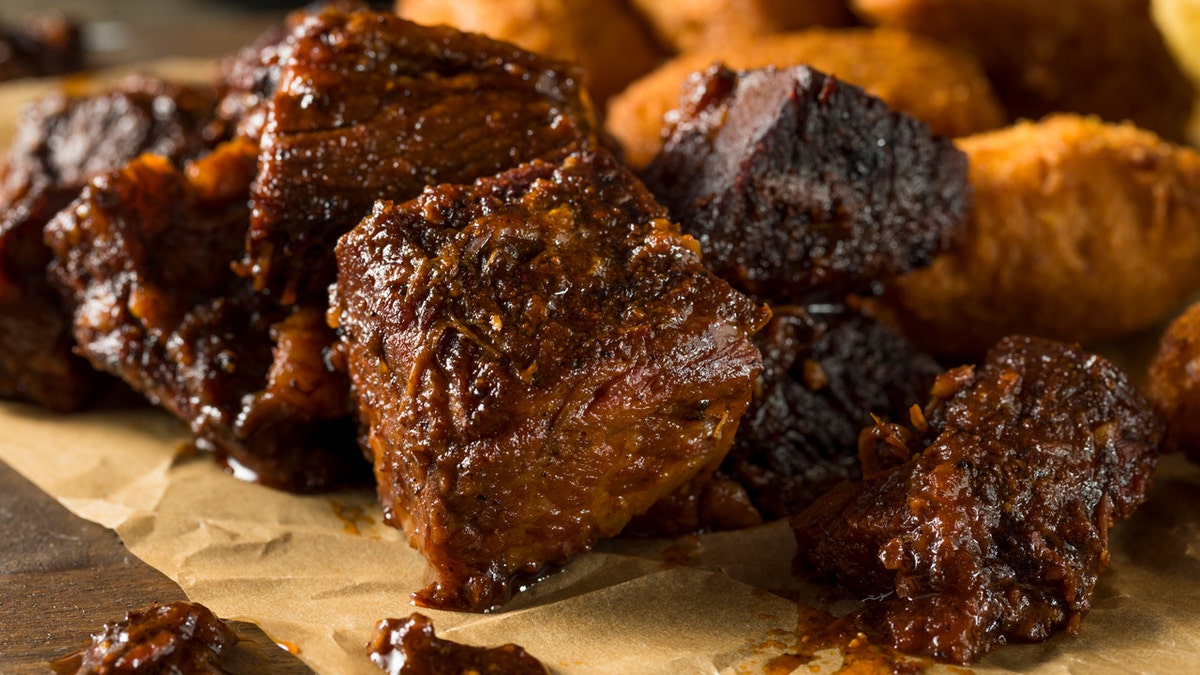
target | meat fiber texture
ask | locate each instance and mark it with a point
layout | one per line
(146, 252)
(987, 521)
(801, 188)
(61, 142)
(538, 358)
(369, 106)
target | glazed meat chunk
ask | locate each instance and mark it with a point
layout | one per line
(248, 79)
(182, 637)
(411, 647)
(824, 376)
(987, 520)
(146, 252)
(538, 357)
(828, 371)
(801, 188)
(370, 106)
(62, 142)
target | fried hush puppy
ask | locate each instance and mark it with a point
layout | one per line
(1174, 383)
(938, 85)
(604, 37)
(687, 25)
(1102, 57)
(1179, 22)
(1080, 230)
(987, 520)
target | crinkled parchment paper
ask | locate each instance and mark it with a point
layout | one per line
(317, 572)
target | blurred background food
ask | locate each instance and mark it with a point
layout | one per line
(939, 85)
(1179, 21)
(117, 32)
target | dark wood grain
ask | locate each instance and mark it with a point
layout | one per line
(62, 578)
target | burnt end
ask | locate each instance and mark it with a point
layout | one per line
(61, 142)
(824, 376)
(146, 252)
(802, 188)
(987, 521)
(42, 46)
(411, 647)
(369, 106)
(538, 357)
(181, 637)
(248, 80)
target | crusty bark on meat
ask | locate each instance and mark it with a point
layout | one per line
(146, 253)
(62, 142)
(802, 188)
(824, 376)
(369, 106)
(538, 357)
(987, 520)
(827, 373)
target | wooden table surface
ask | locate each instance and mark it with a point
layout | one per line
(62, 578)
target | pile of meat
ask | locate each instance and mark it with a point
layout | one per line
(375, 239)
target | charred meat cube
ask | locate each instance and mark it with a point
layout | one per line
(43, 45)
(182, 637)
(824, 376)
(147, 253)
(987, 520)
(411, 647)
(62, 142)
(801, 188)
(538, 357)
(828, 371)
(369, 106)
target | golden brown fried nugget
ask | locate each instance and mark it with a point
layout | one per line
(1088, 56)
(686, 25)
(940, 86)
(1081, 230)
(1174, 383)
(606, 38)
